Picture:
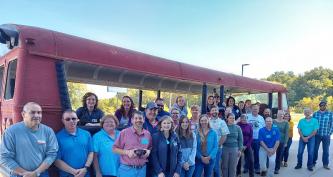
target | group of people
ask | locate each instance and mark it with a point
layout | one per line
(157, 143)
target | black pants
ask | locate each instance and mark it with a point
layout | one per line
(279, 154)
(248, 157)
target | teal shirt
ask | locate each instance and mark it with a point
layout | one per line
(235, 138)
(308, 126)
(102, 146)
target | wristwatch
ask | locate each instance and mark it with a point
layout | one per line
(37, 173)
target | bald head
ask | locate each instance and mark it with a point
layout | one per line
(269, 122)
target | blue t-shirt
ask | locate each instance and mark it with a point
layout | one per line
(102, 145)
(74, 149)
(308, 126)
(269, 137)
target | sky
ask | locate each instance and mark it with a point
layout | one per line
(280, 35)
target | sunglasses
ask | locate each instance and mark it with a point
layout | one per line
(70, 118)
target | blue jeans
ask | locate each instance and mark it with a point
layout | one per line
(188, 173)
(256, 147)
(310, 145)
(326, 144)
(286, 150)
(217, 166)
(127, 171)
(207, 168)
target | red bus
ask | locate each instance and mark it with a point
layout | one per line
(40, 62)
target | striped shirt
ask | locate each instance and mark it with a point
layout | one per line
(325, 119)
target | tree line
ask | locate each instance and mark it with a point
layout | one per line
(306, 89)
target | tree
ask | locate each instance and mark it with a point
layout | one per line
(283, 78)
(76, 92)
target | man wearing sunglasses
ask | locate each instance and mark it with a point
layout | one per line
(29, 147)
(75, 148)
(160, 104)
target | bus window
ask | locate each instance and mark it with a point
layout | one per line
(1, 77)
(259, 97)
(284, 101)
(10, 81)
(275, 101)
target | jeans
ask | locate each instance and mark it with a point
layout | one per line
(127, 171)
(248, 158)
(263, 160)
(286, 150)
(256, 147)
(310, 145)
(278, 159)
(207, 168)
(326, 144)
(217, 166)
(188, 173)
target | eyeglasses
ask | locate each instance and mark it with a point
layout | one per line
(175, 113)
(160, 105)
(70, 118)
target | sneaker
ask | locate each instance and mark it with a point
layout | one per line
(257, 172)
(276, 172)
(310, 168)
(298, 167)
(285, 164)
(263, 173)
(326, 167)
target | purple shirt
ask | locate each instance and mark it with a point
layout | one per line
(247, 134)
(130, 139)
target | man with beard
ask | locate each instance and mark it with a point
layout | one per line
(325, 119)
(221, 129)
(267, 113)
(133, 145)
(160, 104)
(75, 148)
(28, 148)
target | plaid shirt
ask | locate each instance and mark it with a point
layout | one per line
(325, 120)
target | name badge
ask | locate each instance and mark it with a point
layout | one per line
(175, 144)
(41, 142)
(144, 141)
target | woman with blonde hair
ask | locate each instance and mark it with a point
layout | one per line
(206, 148)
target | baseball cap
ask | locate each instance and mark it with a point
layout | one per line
(322, 103)
(151, 105)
